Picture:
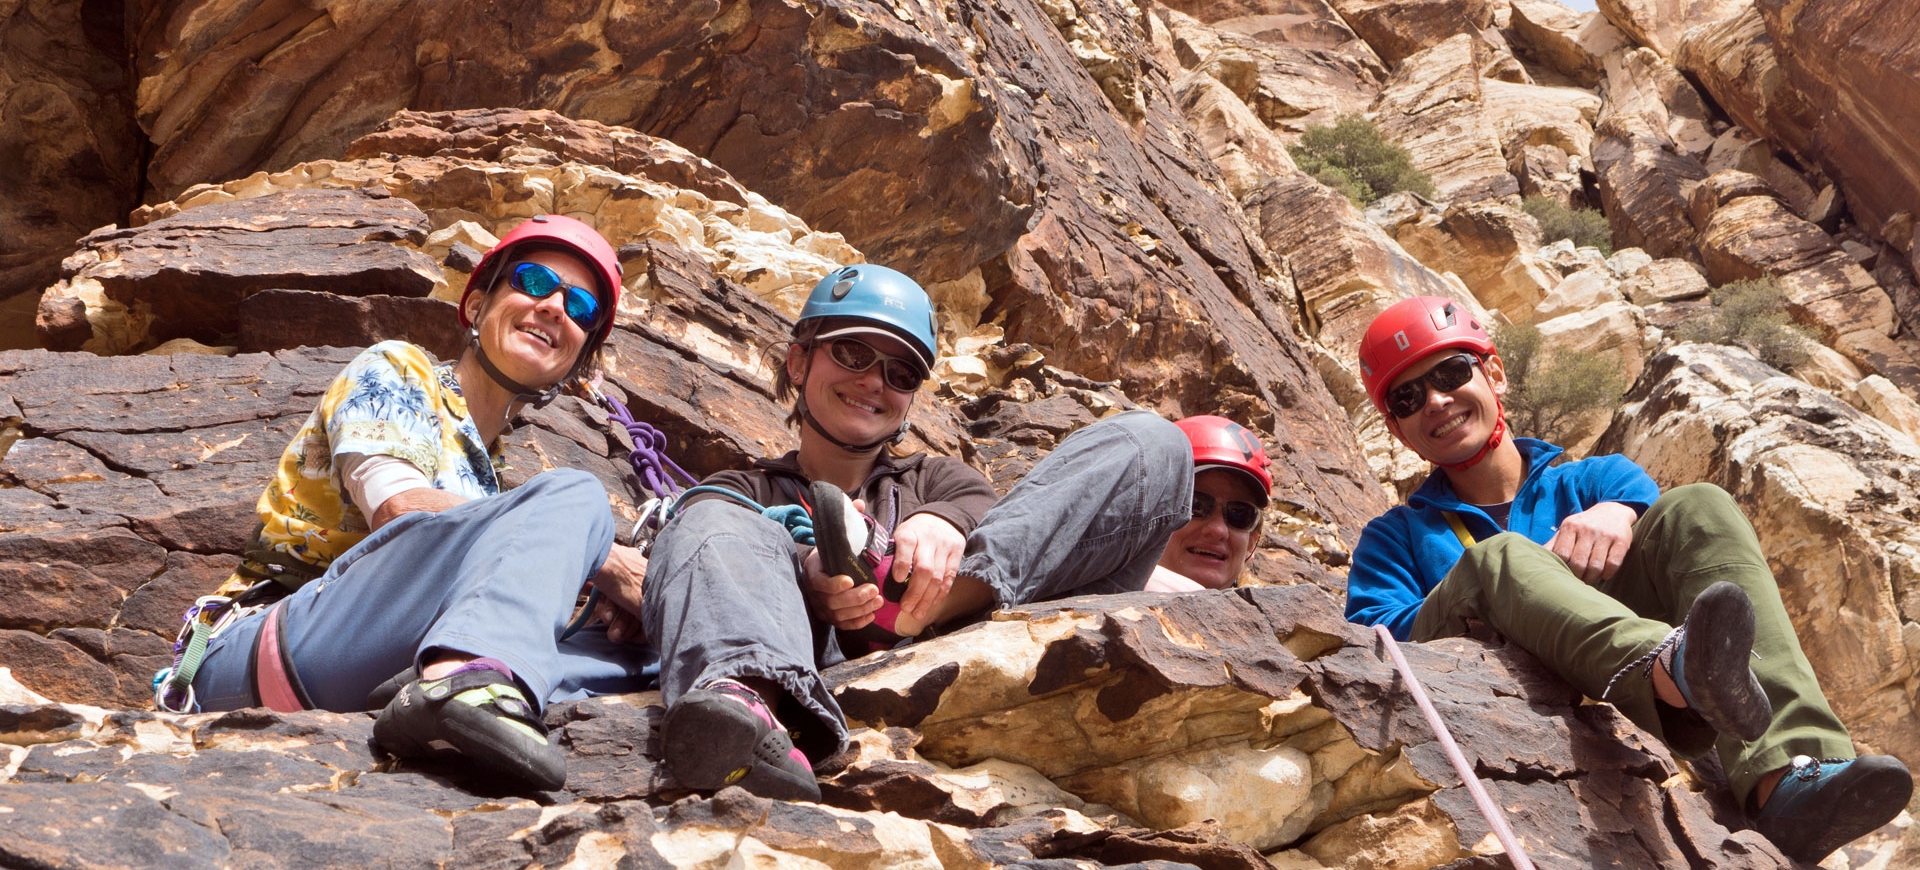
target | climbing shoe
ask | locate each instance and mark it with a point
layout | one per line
(385, 692)
(1709, 664)
(480, 714)
(722, 734)
(851, 543)
(1823, 804)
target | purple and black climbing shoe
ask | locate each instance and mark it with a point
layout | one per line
(722, 734)
(479, 714)
(1710, 664)
(1823, 804)
(851, 543)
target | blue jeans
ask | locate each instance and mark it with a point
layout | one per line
(723, 596)
(495, 577)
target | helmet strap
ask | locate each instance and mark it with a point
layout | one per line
(1494, 439)
(521, 392)
(869, 447)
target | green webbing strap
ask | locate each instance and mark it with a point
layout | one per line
(1459, 528)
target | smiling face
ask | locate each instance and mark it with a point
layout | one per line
(1452, 427)
(532, 340)
(854, 407)
(1207, 550)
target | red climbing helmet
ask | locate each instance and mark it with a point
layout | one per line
(1407, 332)
(1221, 443)
(553, 232)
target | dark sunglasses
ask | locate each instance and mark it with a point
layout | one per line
(855, 355)
(1240, 516)
(538, 281)
(1451, 374)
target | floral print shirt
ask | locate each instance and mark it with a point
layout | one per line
(389, 401)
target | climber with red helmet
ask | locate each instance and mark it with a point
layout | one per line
(1231, 486)
(387, 551)
(1662, 604)
(744, 618)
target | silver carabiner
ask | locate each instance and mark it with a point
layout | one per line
(653, 515)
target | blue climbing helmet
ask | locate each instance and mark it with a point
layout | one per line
(880, 296)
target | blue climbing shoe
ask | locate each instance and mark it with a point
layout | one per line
(1823, 804)
(1710, 664)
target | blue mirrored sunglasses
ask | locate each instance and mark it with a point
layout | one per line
(533, 279)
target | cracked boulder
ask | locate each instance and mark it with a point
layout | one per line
(1832, 496)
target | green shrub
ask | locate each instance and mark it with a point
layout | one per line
(1751, 314)
(1585, 226)
(1353, 158)
(1550, 390)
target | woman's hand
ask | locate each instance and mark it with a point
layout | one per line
(926, 556)
(619, 580)
(835, 599)
(1594, 541)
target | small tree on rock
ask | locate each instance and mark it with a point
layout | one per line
(1352, 157)
(1550, 390)
(1751, 314)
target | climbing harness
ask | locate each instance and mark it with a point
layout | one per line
(1496, 819)
(656, 473)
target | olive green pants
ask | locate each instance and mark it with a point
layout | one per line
(1693, 537)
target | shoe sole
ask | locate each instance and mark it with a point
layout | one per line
(831, 518)
(1873, 788)
(1719, 646)
(709, 743)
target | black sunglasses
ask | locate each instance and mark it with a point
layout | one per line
(1451, 374)
(538, 281)
(855, 355)
(1240, 515)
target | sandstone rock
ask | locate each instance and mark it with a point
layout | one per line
(1756, 236)
(1661, 25)
(1398, 31)
(1533, 121)
(140, 292)
(1879, 397)
(1665, 281)
(1614, 329)
(1247, 152)
(1435, 107)
(285, 319)
(1572, 45)
(1490, 246)
(1721, 188)
(1854, 76)
(73, 150)
(1296, 65)
(1347, 270)
(1827, 489)
(1650, 129)
(1580, 291)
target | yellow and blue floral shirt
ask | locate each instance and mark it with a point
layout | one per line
(389, 401)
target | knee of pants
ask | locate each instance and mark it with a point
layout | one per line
(1166, 457)
(703, 519)
(580, 492)
(1482, 566)
(1702, 505)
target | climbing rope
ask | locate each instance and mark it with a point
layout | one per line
(1490, 810)
(655, 473)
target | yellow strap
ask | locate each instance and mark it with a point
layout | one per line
(1459, 528)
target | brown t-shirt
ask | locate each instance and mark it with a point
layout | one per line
(898, 487)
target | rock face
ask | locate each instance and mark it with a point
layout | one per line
(1435, 107)
(72, 149)
(1827, 488)
(1261, 708)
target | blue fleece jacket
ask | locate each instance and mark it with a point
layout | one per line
(1407, 551)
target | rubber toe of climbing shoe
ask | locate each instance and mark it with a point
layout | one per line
(714, 739)
(480, 715)
(1821, 805)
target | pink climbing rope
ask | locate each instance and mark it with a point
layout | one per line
(1495, 818)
